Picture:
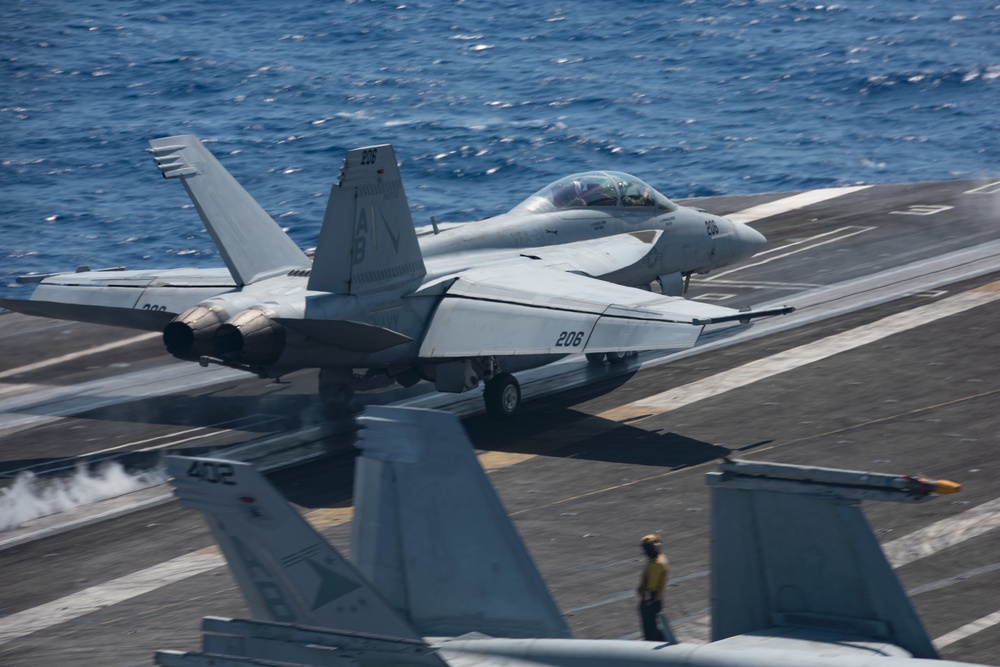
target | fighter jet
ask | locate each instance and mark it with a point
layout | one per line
(438, 575)
(555, 275)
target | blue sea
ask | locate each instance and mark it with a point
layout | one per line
(485, 102)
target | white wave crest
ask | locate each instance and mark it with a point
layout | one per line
(30, 496)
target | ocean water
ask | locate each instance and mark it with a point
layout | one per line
(484, 101)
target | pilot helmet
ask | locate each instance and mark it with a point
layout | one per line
(650, 540)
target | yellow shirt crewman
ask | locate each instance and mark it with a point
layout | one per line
(651, 585)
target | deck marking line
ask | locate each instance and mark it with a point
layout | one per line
(106, 594)
(138, 583)
(808, 239)
(782, 362)
(77, 355)
(804, 248)
(791, 203)
(942, 534)
(953, 579)
(967, 630)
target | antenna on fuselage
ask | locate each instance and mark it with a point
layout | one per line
(434, 224)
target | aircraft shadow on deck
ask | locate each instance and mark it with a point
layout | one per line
(572, 434)
(270, 412)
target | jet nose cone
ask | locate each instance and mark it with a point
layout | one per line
(751, 241)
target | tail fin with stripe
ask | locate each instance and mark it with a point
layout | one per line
(285, 569)
(368, 243)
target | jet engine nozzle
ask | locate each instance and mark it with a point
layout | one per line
(189, 335)
(251, 337)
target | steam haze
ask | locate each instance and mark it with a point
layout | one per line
(30, 496)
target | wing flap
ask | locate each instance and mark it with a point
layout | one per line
(472, 328)
(523, 309)
(601, 257)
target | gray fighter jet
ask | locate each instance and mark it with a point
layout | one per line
(439, 576)
(555, 275)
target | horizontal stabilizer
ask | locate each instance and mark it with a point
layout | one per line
(287, 572)
(228, 642)
(251, 243)
(431, 533)
(123, 316)
(132, 299)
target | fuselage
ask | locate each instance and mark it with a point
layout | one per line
(692, 241)
(579, 224)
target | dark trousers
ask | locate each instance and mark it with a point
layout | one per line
(648, 611)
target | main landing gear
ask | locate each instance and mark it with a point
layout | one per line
(502, 395)
(612, 357)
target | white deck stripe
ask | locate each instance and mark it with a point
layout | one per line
(138, 583)
(109, 593)
(967, 630)
(791, 203)
(77, 355)
(943, 534)
(761, 369)
(850, 231)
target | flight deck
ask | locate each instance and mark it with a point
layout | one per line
(887, 365)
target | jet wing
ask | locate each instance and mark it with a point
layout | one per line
(599, 257)
(521, 308)
(133, 299)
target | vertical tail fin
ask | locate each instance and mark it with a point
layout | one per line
(791, 549)
(432, 535)
(251, 243)
(285, 569)
(368, 243)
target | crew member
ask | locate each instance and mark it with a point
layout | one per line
(654, 580)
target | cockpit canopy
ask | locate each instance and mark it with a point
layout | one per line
(605, 189)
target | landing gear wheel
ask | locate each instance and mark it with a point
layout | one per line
(616, 357)
(502, 396)
(595, 357)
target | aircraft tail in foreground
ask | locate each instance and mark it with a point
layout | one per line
(288, 573)
(794, 556)
(797, 575)
(251, 243)
(430, 532)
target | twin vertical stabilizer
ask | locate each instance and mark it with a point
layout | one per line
(791, 549)
(368, 243)
(434, 552)
(251, 243)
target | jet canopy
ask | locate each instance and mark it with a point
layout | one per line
(605, 189)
